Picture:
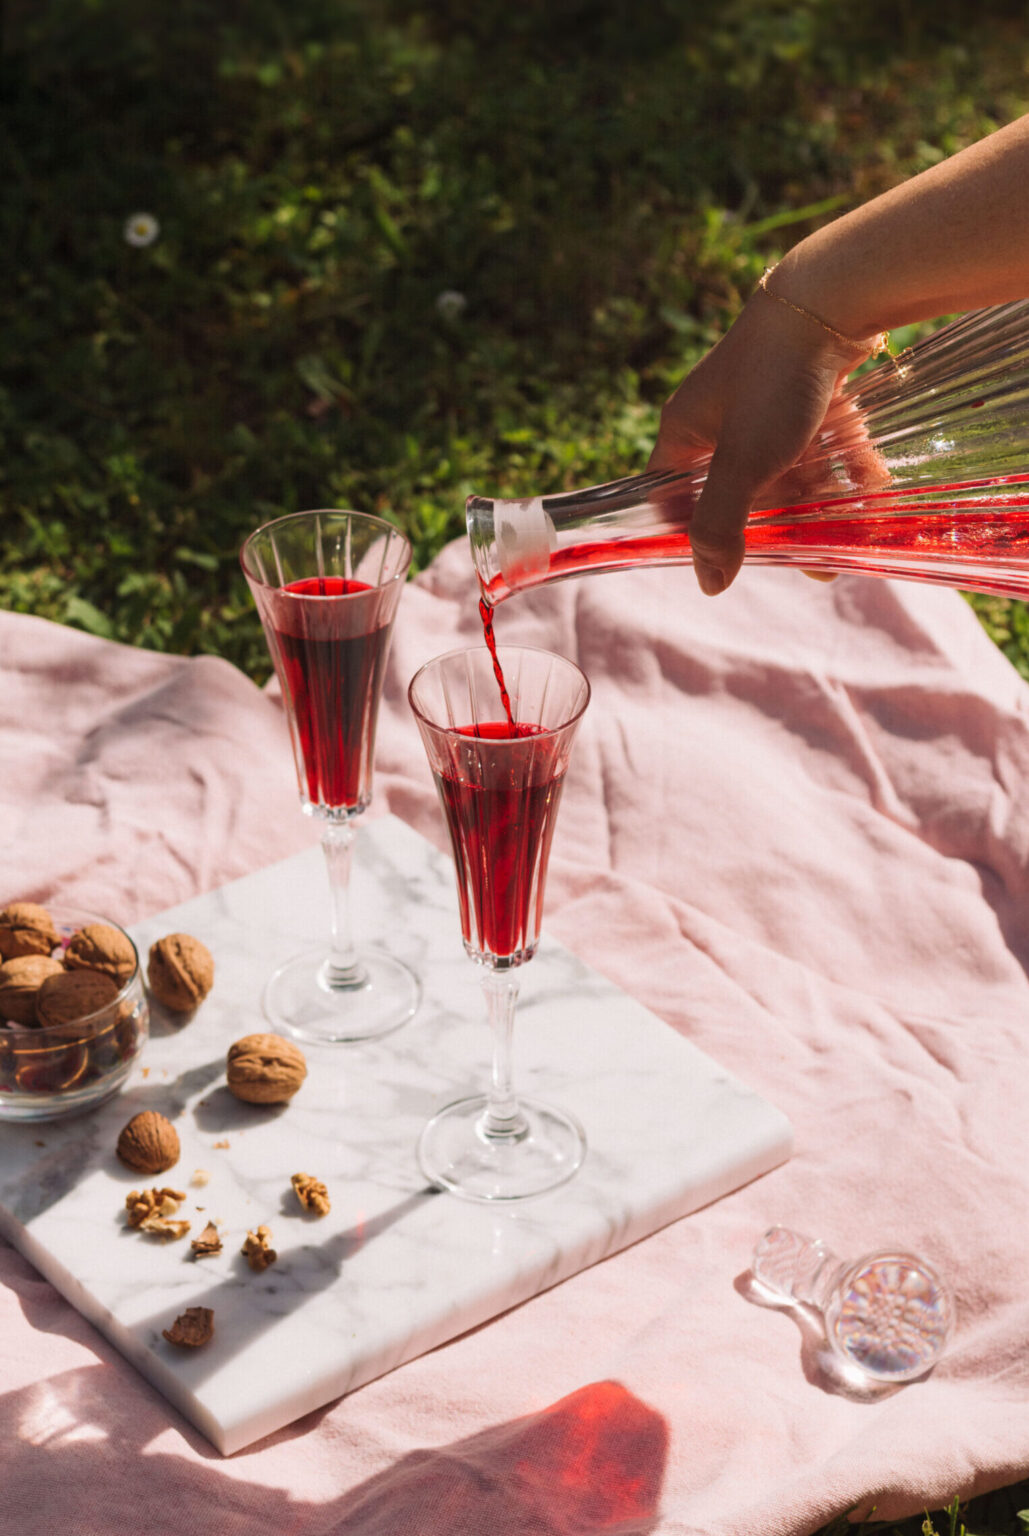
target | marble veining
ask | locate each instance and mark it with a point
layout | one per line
(395, 1268)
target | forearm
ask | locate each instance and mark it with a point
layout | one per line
(954, 238)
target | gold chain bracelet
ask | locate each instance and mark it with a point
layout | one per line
(880, 344)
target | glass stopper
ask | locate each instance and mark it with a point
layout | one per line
(888, 1313)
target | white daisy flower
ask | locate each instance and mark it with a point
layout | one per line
(141, 229)
(450, 304)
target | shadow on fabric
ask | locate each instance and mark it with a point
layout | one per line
(591, 1464)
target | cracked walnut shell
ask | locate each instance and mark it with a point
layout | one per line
(20, 981)
(73, 995)
(207, 1243)
(99, 947)
(180, 971)
(265, 1069)
(26, 929)
(149, 1143)
(191, 1328)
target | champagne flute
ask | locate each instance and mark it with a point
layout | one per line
(327, 584)
(500, 785)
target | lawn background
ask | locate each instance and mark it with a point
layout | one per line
(408, 251)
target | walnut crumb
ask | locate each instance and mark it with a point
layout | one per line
(257, 1249)
(191, 1328)
(200, 1177)
(311, 1193)
(143, 1205)
(208, 1242)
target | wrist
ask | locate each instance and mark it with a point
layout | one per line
(811, 276)
(860, 344)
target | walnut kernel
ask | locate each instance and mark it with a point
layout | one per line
(26, 929)
(311, 1193)
(142, 1205)
(20, 980)
(257, 1249)
(180, 971)
(160, 1226)
(149, 1143)
(265, 1069)
(191, 1328)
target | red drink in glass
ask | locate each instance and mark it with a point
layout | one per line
(332, 686)
(919, 470)
(327, 585)
(499, 784)
(973, 535)
(500, 812)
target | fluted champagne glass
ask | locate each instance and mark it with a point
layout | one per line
(499, 785)
(327, 584)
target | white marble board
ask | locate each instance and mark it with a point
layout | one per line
(395, 1269)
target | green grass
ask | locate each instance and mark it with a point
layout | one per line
(601, 187)
(601, 184)
(992, 1514)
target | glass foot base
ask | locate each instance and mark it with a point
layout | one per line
(299, 1000)
(456, 1155)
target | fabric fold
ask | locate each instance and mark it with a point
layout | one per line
(796, 826)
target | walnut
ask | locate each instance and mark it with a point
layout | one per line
(311, 1193)
(180, 971)
(265, 1069)
(191, 1328)
(99, 947)
(20, 980)
(26, 929)
(257, 1250)
(208, 1242)
(73, 995)
(149, 1143)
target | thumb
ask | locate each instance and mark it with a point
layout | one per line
(719, 518)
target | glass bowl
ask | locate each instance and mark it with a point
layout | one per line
(47, 1071)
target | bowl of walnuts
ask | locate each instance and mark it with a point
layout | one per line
(73, 1010)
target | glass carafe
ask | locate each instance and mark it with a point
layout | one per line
(920, 470)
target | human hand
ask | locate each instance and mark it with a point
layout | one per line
(753, 404)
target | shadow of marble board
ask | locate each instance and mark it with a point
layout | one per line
(396, 1268)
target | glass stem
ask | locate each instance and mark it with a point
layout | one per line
(342, 969)
(502, 1120)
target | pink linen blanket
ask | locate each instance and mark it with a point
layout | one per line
(797, 828)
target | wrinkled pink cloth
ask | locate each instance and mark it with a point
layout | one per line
(796, 827)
